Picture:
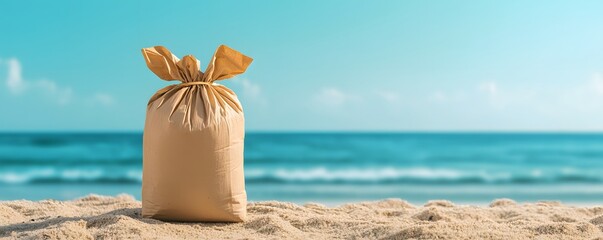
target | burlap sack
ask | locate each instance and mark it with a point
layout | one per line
(193, 140)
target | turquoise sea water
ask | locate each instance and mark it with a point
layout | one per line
(329, 168)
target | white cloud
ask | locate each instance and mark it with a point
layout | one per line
(335, 97)
(439, 96)
(527, 100)
(17, 85)
(62, 95)
(597, 83)
(248, 91)
(499, 97)
(490, 88)
(103, 99)
(388, 96)
(14, 80)
(249, 88)
(331, 97)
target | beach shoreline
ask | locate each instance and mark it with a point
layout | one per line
(96, 216)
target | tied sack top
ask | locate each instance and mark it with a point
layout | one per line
(225, 63)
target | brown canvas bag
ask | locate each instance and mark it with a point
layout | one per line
(193, 140)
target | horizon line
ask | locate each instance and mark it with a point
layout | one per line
(323, 131)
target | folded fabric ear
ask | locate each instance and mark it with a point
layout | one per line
(226, 63)
(162, 62)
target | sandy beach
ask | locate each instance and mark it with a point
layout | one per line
(102, 217)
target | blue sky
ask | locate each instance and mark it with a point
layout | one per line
(318, 65)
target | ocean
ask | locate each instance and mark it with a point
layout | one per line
(328, 168)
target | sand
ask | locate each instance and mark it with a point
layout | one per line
(100, 217)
